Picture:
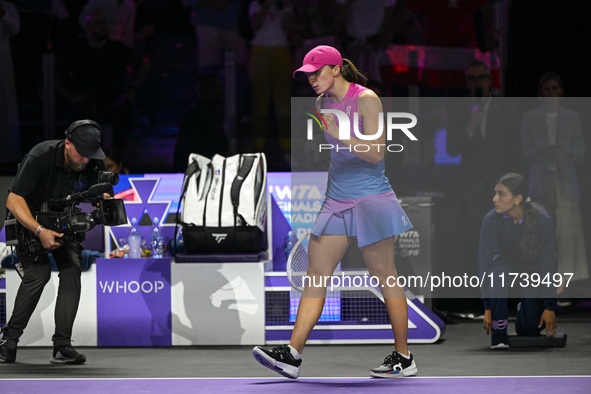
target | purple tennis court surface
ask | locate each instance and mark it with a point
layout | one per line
(441, 385)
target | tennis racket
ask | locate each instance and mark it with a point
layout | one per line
(297, 263)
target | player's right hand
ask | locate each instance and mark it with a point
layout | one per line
(333, 129)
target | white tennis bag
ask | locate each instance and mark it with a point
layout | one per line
(224, 204)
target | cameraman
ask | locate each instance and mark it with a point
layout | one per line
(52, 170)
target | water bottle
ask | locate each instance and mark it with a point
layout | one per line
(288, 244)
(157, 241)
(134, 240)
(179, 245)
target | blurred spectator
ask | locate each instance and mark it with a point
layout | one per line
(216, 26)
(485, 131)
(99, 79)
(10, 148)
(365, 32)
(451, 23)
(170, 44)
(219, 27)
(270, 70)
(202, 128)
(114, 161)
(120, 16)
(405, 31)
(175, 20)
(313, 19)
(313, 25)
(147, 16)
(65, 30)
(553, 143)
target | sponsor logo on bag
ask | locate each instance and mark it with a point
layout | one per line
(219, 237)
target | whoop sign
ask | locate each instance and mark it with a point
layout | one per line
(132, 287)
(133, 302)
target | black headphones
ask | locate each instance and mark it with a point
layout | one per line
(80, 123)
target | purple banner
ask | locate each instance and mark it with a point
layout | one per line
(133, 302)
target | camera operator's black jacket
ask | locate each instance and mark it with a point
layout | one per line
(42, 175)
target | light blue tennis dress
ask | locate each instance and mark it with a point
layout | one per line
(359, 199)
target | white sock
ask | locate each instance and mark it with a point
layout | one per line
(406, 357)
(294, 352)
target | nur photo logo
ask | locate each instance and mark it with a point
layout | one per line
(391, 124)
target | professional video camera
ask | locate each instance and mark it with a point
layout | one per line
(63, 216)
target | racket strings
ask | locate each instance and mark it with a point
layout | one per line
(298, 265)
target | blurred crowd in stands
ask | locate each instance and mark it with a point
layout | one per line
(150, 66)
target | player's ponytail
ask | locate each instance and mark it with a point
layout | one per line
(352, 74)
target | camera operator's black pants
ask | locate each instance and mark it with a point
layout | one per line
(68, 258)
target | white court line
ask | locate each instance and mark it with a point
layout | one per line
(316, 378)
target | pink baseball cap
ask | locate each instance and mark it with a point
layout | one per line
(318, 57)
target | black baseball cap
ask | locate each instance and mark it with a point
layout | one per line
(86, 137)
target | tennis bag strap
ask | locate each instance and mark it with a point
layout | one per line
(191, 169)
(237, 185)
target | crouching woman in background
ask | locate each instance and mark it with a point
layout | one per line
(517, 237)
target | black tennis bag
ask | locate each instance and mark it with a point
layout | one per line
(224, 204)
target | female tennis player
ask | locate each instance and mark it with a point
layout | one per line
(359, 203)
